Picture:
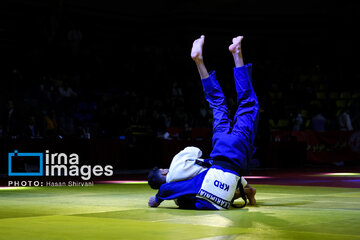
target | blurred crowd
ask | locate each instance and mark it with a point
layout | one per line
(313, 100)
(56, 108)
(60, 106)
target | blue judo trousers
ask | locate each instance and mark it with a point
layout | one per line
(232, 142)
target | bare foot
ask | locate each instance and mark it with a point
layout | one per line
(235, 47)
(196, 51)
(250, 194)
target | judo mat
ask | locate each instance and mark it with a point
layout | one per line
(289, 206)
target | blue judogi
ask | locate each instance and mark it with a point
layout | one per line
(232, 147)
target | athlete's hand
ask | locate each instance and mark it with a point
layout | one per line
(152, 202)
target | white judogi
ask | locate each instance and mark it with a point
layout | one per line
(183, 166)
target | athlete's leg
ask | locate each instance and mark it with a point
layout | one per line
(212, 89)
(245, 120)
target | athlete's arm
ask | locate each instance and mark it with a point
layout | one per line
(249, 193)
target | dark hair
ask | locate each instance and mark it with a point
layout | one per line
(154, 179)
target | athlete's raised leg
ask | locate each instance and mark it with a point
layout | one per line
(247, 113)
(212, 89)
(246, 117)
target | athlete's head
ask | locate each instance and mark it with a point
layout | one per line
(157, 177)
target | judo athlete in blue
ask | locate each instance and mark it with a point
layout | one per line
(214, 188)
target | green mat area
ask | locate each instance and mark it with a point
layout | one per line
(119, 211)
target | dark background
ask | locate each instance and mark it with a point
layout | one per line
(133, 55)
